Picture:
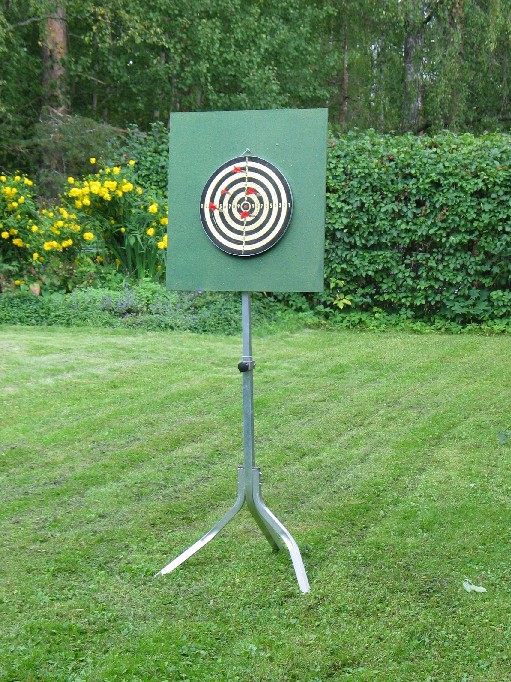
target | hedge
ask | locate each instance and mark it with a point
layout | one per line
(420, 226)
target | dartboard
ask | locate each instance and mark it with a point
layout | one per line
(246, 206)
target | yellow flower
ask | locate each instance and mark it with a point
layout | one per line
(92, 159)
(88, 236)
(117, 261)
(139, 190)
(78, 203)
(153, 208)
(35, 256)
(123, 229)
(86, 201)
(131, 162)
(5, 235)
(13, 231)
(13, 205)
(27, 181)
(17, 178)
(2, 178)
(17, 282)
(163, 243)
(71, 180)
(116, 170)
(18, 242)
(150, 231)
(164, 221)
(66, 243)
(34, 228)
(48, 246)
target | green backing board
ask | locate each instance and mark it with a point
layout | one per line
(295, 141)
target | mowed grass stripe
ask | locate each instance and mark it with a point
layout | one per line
(379, 452)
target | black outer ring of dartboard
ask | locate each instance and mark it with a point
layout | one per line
(284, 188)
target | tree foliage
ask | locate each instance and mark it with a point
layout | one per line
(397, 65)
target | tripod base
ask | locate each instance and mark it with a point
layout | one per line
(249, 491)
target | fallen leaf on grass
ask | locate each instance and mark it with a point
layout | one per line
(469, 587)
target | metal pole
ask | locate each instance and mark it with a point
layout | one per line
(246, 367)
(249, 476)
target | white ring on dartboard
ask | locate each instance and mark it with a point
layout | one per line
(252, 206)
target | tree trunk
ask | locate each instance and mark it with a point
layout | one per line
(162, 61)
(413, 95)
(455, 52)
(54, 54)
(377, 93)
(345, 81)
(55, 103)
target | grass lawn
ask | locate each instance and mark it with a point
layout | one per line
(379, 452)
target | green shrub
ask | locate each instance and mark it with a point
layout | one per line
(151, 151)
(145, 305)
(420, 226)
(417, 229)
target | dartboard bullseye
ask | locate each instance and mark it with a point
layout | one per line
(246, 206)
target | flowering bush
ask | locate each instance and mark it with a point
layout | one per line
(126, 223)
(18, 212)
(38, 247)
(104, 220)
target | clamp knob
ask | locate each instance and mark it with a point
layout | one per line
(246, 365)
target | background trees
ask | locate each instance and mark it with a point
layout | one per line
(71, 66)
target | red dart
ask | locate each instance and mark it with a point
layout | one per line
(251, 190)
(236, 169)
(244, 214)
(212, 206)
(224, 191)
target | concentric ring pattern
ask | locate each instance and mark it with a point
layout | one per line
(246, 206)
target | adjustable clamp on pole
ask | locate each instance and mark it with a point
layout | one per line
(246, 365)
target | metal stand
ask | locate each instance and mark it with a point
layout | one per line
(249, 476)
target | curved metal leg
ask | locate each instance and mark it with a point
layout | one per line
(269, 532)
(249, 476)
(279, 530)
(210, 534)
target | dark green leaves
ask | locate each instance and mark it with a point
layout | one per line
(422, 225)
